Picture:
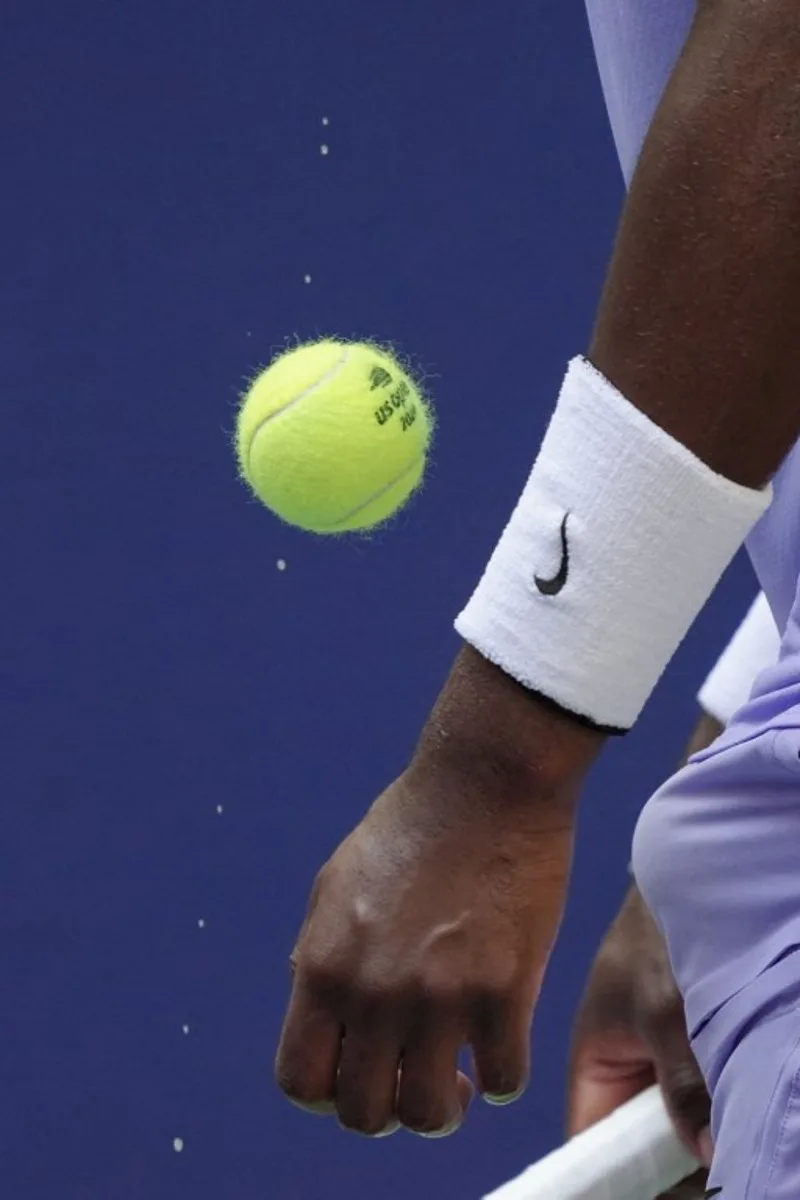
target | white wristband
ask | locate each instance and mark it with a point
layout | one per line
(616, 543)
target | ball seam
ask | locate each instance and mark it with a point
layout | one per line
(330, 374)
(387, 487)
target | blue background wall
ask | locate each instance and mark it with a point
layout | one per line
(164, 195)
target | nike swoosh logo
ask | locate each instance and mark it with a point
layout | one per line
(712, 1192)
(551, 587)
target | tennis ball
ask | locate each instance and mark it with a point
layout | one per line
(332, 436)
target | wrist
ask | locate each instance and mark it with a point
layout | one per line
(489, 731)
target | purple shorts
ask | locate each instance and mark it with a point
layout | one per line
(717, 856)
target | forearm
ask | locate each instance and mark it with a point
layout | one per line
(698, 326)
(699, 323)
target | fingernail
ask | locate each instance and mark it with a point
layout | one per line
(438, 1134)
(706, 1146)
(391, 1128)
(502, 1101)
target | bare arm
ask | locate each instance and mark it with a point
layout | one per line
(431, 924)
(699, 322)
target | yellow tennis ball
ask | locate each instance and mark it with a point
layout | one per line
(332, 436)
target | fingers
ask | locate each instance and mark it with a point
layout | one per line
(366, 1084)
(382, 1052)
(375, 1103)
(688, 1104)
(308, 1054)
(612, 1067)
(375, 1080)
(609, 1060)
(501, 1049)
(356, 1072)
(433, 1096)
(630, 1032)
(677, 1072)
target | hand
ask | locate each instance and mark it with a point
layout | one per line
(630, 1032)
(431, 925)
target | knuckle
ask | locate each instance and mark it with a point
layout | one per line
(661, 1011)
(324, 982)
(687, 1093)
(371, 1005)
(418, 996)
(492, 998)
(497, 989)
(441, 994)
(323, 972)
(376, 992)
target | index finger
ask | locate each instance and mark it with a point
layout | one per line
(308, 1053)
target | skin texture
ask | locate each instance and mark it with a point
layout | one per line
(431, 925)
(630, 1033)
(630, 1030)
(699, 323)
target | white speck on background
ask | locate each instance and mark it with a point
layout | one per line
(306, 279)
(185, 1028)
(201, 923)
(281, 564)
(177, 1145)
(325, 121)
(324, 149)
(220, 808)
(249, 333)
